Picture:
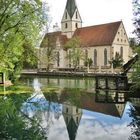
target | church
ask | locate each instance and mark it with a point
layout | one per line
(99, 43)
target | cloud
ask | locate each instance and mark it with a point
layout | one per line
(58, 130)
(100, 130)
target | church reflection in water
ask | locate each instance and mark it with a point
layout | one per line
(75, 101)
(73, 113)
(72, 116)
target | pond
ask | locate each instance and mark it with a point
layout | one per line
(45, 108)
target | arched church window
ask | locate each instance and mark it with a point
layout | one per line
(58, 59)
(105, 56)
(76, 110)
(67, 110)
(86, 55)
(121, 51)
(76, 15)
(76, 25)
(66, 25)
(95, 58)
(66, 16)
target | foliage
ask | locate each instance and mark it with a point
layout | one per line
(135, 123)
(88, 62)
(117, 61)
(75, 53)
(136, 74)
(73, 43)
(20, 24)
(15, 124)
(29, 58)
(136, 11)
(133, 44)
(48, 47)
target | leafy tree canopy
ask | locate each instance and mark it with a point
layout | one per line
(20, 24)
(136, 10)
(73, 43)
(136, 74)
(117, 61)
(75, 53)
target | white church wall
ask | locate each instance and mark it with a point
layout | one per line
(121, 40)
(100, 54)
(63, 61)
(126, 51)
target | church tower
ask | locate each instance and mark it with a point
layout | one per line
(72, 116)
(71, 19)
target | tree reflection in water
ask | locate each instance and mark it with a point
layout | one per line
(135, 123)
(14, 123)
(31, 116)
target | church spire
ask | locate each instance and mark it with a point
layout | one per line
(71, 7)
(71, 19)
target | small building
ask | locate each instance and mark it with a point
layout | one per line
(100, 43)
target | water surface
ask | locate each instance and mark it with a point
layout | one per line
(67, 109)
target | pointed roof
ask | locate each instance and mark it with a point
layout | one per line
(98, 35)
(72, 129)
(71, 7)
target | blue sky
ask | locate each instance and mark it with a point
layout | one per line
(95, 12)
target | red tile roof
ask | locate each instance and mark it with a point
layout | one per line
(97, 35)
(85, 100)
(53, 36)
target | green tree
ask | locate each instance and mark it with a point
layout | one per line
(48, 47)
(20, 24)
(132, 42)
(73, 46)
(88, 63)
(136, 74)
(136, 11)
(135, 123)
(117, 61)
(15, 123)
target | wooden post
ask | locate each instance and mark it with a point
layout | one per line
(96, 95)
(106, 96)
(116, 82)
(125, 82)
(116, 97)
(106, 83)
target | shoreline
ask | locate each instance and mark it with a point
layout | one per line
(72, 74)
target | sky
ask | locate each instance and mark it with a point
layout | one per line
(94, 12)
